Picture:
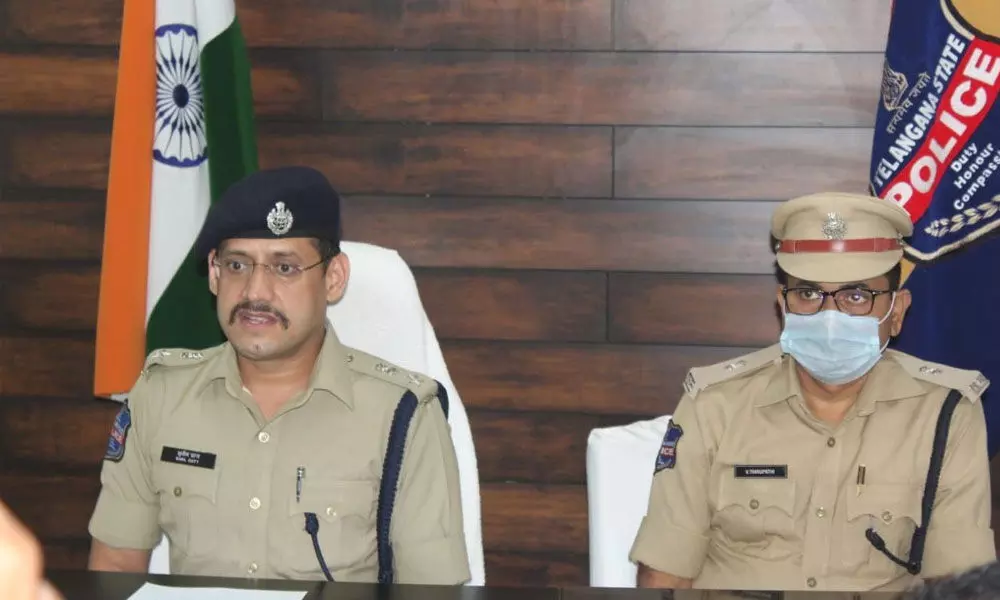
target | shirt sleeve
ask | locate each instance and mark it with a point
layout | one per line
(428, 535)
(673, 536)
(127, 511)
(959, 536)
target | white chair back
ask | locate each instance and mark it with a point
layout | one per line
(381, 314)
(620, 463)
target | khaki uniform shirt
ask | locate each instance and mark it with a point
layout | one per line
(782, 595)
(763, 495)
(201, 464)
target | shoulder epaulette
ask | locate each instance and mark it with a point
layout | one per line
(176, 357)
(970, 383)
(422, 386)
(700, 378)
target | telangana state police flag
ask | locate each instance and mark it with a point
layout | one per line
(183, 132)
(936, 152)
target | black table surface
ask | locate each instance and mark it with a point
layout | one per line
(89, 585)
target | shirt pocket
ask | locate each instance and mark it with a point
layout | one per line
(893, 511)
(345, 512)
(189, 508)
(751, 511)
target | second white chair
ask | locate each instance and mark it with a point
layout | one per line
(620, 463)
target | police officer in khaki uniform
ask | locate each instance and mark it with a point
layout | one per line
(777, 463)
(234, 452)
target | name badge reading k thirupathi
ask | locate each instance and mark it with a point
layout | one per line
(760, 471)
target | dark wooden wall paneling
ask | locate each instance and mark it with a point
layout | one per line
(583, 188)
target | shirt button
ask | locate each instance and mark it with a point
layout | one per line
(254, 503)
(178, 491)
(887, 516)
(754, 504)
(252, 568)
(811, 582)
(831, 442)
(330, 512)
(263, 437)
(820, 512)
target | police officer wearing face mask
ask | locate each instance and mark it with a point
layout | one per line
(814, 464)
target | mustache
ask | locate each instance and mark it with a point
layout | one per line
(258, 307)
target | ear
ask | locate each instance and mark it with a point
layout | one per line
(213, 274)
(779, 298)
(899, 308)
(337, 274)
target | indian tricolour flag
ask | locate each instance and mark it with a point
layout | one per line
(183, 132)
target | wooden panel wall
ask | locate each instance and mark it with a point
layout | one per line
(582, 186)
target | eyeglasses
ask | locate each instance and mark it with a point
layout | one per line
(854, 301)
(241, 269)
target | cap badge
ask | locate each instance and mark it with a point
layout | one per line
(834, 228)
(279, 220)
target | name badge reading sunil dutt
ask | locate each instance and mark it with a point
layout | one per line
(760, 471)
(193, 458)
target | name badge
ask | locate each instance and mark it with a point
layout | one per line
(192, 458)
(760, 471)
(758, 595)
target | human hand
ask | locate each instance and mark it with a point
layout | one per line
(21, 562)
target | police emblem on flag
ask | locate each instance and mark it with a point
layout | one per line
(936, 150)
(179, 139)
(894, 86)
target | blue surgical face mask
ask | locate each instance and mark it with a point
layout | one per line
(834, 347)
